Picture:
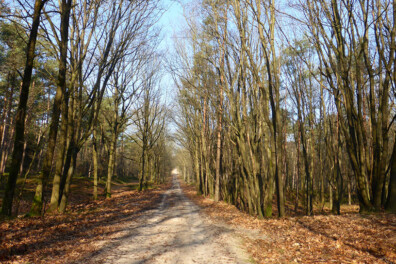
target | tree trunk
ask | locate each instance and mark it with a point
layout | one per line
(66, 166)
(197, 170)
(70, 173)
(110, 167)
(142, 168)
(56, 110)
(349, 192)
(23, 159)
(21, 112)
(298, 168)
(184, 172)
(218, 161)
(53, 206)
(391, 201)
(95, 163)
(222, 44)
(7, 130)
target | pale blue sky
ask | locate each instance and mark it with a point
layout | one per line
(173, 17)
(171, 23)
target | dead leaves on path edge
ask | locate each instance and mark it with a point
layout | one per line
(70, 237)
(348, 238)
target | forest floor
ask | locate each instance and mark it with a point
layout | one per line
(169, 224)
(77, 234)
(160, 225)
(174, 232)
(347, 238)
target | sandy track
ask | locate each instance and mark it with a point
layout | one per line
(175, 232)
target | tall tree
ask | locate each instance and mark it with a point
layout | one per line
(150, 121)
(347, 58)
(21, 112)
(56, 110)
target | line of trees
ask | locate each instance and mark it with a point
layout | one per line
(76, 80)
(293, 100)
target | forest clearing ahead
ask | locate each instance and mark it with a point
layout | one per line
(162, 225)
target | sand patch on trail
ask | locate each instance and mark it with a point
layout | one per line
(174, 232)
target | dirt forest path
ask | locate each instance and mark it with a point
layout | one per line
(174, 232)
